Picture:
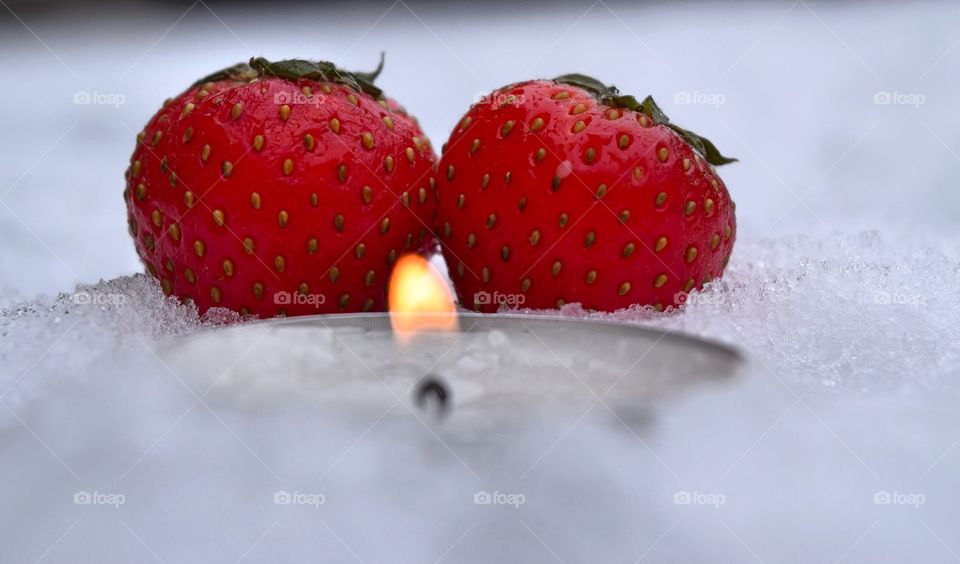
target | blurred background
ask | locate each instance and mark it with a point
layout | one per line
(838, 444)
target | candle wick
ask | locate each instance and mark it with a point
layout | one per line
(432, 389)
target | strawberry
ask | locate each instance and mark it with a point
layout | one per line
(563, 191)
(283, 188)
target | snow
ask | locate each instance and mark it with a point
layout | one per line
(846, 304)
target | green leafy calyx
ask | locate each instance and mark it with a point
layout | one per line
(611, 96)
(296, 69)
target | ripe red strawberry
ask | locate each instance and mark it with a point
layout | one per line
(562, 191)
(280, 188)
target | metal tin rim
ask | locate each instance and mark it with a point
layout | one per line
(341, 319)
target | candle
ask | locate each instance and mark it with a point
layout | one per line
(493, 367)
(482, 367)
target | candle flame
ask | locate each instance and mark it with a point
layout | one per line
(419, 299)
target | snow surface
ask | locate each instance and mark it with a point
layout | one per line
(842, 292)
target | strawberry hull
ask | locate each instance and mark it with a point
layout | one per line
(277, 196)
(549, 197)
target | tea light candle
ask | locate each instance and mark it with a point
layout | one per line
(487, 368)
(494, 367)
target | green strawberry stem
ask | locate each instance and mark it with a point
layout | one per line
(239, 71)
(611, 96)
(296, 69)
